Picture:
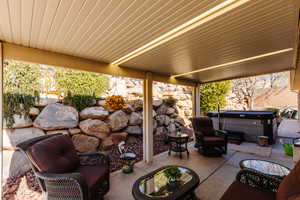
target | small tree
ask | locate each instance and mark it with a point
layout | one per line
(213, 94)
(20, 77)
(81, 83)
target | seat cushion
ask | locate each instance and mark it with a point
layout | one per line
(289, 188)
(93, 175)
(54, 155)
(214, 140)
(240, 191)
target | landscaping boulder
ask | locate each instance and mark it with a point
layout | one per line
(170, 111)
(15, 163)
(107, 144)
(118, 137)
(95, 127)
(74, 131)
(163, 120)
(137, 104)
(96, 112)
(180, 121)
(134, 130)
(20, 121)
(84, 143)
(57, 116)
(162, 110)
(156, 103)
(161, 130)
(118, 120)
(171, 128)
(135, 119)
(101, 103)
(128, 109)
(12, 137)
(34, 111)
(64, 132)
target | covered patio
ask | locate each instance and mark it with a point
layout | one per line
(179, 42)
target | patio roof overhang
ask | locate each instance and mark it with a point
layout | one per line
(183, 42)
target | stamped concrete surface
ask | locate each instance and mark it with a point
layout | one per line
(216, 174)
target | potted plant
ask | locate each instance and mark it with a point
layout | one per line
(173, 174)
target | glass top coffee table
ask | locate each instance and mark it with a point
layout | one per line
(265, 167)
(166, 183)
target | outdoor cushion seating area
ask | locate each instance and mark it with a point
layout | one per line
(208, 140)
(64, 174)
(250, 184)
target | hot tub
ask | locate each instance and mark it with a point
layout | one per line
(252, 123)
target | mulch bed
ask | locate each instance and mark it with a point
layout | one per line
(136, 147)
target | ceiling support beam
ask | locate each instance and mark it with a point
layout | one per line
(148, 119)
(27, 54)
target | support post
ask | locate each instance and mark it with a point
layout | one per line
(196, 101)
(1, 110)
(148, 119)
(299, 106)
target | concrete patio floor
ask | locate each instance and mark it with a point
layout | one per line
(216, 174)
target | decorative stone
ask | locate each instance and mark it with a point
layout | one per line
(128, 109)
(163, 120)
(14, 164)
(101, 103)
(137, 104)
(180, 121)
(170, 111)
(118, 137)
(134, 130)
(74, 131)
(64, 132)
(12, 137)
(156, 103)
(20, 121)
(107, 144)
(96, 112)
(135, 119)
(171, 128)
(118, 120)
(162, 110)
(161, 130)
(34, 111)
(95, 127)
(57, 116)
(84, 143)
(131, 139)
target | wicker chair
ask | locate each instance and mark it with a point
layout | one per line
(64, 174)
(250, 184)
(208, 140)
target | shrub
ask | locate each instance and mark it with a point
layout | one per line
(170, 101)
(79, 101)
(81, 83)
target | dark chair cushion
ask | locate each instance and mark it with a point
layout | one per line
(54, 155)
(203, 125)
(289, 188)
(93, 175)
(214, 140)
(240, 191)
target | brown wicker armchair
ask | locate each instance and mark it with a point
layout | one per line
(64, 174)
(208, 140)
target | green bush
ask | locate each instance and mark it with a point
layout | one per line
(79, 101)
(170, 101)
(81, 83)
(212, 94)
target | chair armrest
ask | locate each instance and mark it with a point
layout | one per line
(94, 158)
(222, 133)
(60, 186)
(258, 180)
